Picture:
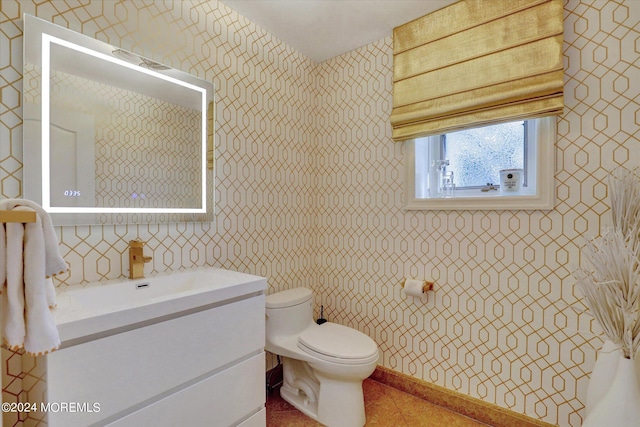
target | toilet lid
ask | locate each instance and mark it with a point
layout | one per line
(288, 298)
(331, 341)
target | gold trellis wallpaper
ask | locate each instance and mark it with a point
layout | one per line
(310, 191)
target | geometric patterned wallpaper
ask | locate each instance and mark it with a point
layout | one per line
(309, 192)
(498, 326)
(264, 134)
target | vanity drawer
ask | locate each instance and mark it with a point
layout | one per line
(257, 420)
(132, 369)
(221, 400)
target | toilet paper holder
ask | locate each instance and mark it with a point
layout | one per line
(426, 285)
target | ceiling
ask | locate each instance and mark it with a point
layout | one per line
(322, 29)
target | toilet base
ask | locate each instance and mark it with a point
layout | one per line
(332, 402)
(299, 400)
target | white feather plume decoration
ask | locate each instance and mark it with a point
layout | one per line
(624, 192)
(610, 275)
(610, 283)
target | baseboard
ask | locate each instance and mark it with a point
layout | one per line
(471, 407)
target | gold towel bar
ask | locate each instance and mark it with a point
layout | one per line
(17, 216)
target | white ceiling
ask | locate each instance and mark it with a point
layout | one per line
(322, 29)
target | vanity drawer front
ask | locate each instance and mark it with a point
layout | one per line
(258, 420)
(221, 400)
(143, 365)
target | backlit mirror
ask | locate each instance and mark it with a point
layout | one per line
(111, 137)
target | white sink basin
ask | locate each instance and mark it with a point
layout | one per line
(85, 311)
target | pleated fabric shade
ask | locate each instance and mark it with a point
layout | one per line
(477, 62)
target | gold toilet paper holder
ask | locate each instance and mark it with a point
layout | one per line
(426, 285)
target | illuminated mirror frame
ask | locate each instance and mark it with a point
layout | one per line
(75, 215)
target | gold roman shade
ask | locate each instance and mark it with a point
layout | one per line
(477, 62)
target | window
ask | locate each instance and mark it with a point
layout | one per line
(462, 170)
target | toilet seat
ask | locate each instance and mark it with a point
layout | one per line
(338, 344)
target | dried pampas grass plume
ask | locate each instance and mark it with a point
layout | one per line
(610, 283)
(610, 275)
(624, 193)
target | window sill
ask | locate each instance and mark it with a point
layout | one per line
(477, 200)
(479, 193)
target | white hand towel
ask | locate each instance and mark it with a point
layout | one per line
(27, 320)
(54, 263)
(41, 331)
(50, 290)
(13, 326)
(3, 257)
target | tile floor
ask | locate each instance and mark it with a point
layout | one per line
(385, 407)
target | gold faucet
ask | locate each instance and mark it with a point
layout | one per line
(137, 260)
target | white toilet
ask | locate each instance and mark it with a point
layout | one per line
(324, 365)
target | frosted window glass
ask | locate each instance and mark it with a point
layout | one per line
(477, 155)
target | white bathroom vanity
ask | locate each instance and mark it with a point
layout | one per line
(184, 348)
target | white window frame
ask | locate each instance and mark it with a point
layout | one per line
(542, 164)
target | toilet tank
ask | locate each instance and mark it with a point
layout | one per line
(289, 312)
